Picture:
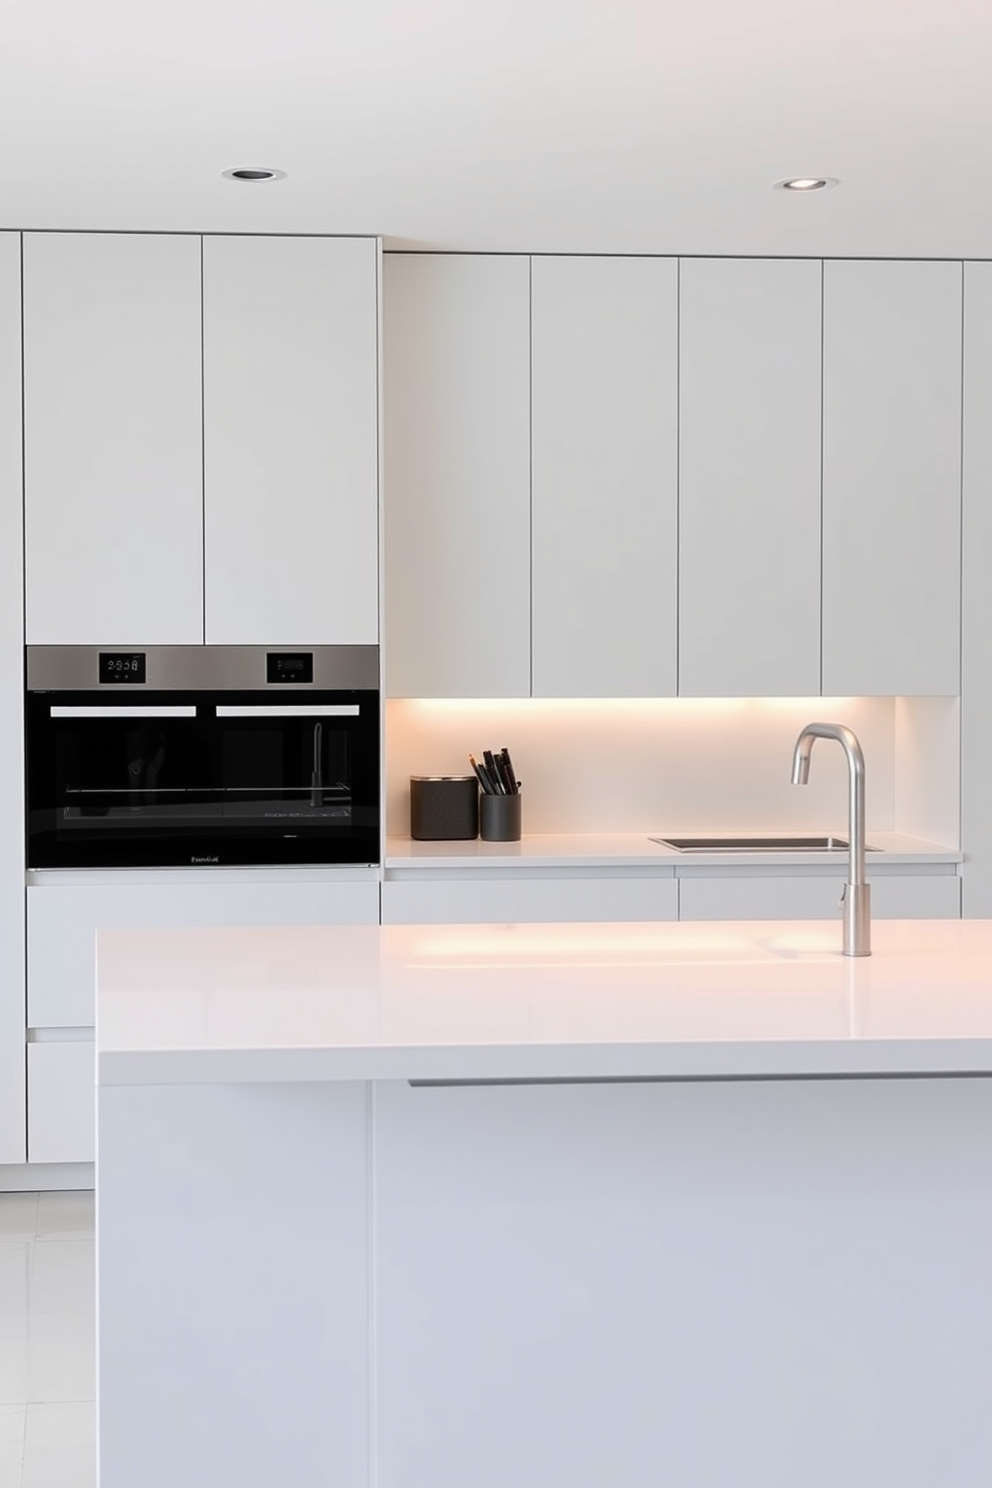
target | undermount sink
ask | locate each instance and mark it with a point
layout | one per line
(756, 844)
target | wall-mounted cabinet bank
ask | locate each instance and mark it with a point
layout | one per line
(201, 439)
(732, 477)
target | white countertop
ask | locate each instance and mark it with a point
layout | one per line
(512, 1002)
(636, 850)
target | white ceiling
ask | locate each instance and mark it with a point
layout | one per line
(643, 126)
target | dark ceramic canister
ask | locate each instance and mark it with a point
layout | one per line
(444, 808)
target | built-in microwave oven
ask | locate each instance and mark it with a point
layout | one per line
(164, 756)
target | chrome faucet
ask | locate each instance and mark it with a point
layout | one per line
(856, 900)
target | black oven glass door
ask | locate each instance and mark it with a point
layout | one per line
(180, 779)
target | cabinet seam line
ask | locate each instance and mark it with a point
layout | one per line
(961, 612)
(822, 365)
(530, 450)
(203, 462)
(678, 480)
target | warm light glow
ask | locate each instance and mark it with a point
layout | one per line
(578, 942)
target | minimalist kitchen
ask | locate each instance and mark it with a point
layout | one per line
(496, 868)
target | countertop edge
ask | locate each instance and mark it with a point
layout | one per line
(510, 1064)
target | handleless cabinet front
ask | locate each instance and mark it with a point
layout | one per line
(605, 476)
(457, 475)
(290, 377)
(891, 478)
(112, 439)
(749, 493)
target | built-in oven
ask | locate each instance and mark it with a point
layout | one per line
(199, 755)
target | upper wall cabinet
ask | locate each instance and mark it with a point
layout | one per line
(290, 382)
(605, 476)
(749, 492)
(891, 477)
(457, 475)
(112, 438)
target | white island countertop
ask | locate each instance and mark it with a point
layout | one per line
(542, 1002)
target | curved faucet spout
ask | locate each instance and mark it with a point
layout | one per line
(856, 903)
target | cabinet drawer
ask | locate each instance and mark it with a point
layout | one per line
(63, 921)
(61, 1102)
(486, 901)
(913, 897)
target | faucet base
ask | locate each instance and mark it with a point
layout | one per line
(856, 911)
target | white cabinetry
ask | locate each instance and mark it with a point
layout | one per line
(290, 384)
(12, 693)
(605, 476)
(516, 899)
(751, 896)
(891, 477)
(112, 438)
(62, 923)
(61, 1102)
(749, 478)
(976, 606)
(456, 412)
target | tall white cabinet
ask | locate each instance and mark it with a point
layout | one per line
(112, 438)
(457, 475)
(891, 477)
(604, 370)
(12, 1071)
(290, 440)
(749, 477)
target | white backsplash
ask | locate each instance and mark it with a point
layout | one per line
(684, 765)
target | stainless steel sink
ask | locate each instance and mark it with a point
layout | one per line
(755, 844)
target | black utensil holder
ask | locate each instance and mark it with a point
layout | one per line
(499, 818)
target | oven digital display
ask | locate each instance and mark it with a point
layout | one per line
(289, 666)
(122, 666)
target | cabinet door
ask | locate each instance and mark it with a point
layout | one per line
(61, 1102)
(63, 921)
(113, 439)
(749, 492)
(12, 691)
(290, 384)
(456, 336)
(891, 477)
(913, 897)
(527, 901)
(605, 476)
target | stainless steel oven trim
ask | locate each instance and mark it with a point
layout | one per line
(200, 669)
(287, 710)
(114, 710)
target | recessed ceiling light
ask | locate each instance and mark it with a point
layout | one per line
(253, 173)
(807, 183)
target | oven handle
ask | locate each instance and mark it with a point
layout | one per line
(111, 710)
(288, 710)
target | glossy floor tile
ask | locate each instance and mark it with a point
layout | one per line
(47, 1341)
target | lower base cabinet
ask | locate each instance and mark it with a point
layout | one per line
(893, 897)
(518, 900)
(61, 1102)
(62, 921)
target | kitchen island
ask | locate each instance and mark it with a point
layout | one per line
(467, 1206)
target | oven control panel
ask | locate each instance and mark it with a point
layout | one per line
(122, 666)
(289, 666)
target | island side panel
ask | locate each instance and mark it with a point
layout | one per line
(232, 1241)
(758, 1284)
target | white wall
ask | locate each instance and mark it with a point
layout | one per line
(672, 765)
